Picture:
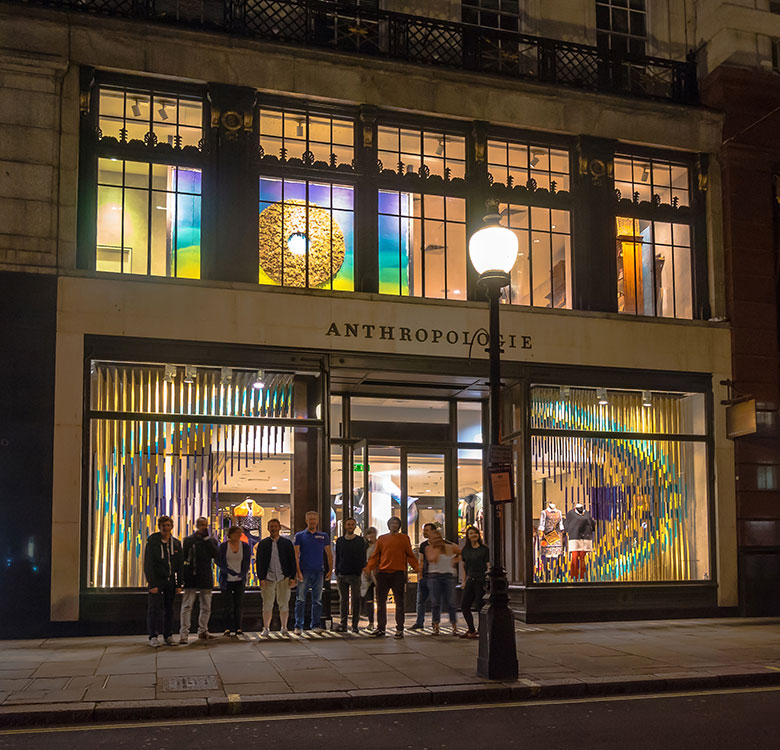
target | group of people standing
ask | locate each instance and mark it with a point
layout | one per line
(368, 568)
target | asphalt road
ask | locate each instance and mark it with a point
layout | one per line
(706, 721)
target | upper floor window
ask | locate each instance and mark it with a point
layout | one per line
(306, 234)
(621, 26)
(422, 245)
(128, 115)
(288, 134)
(148, 219)
(511, 163)
(493, 14)
(414, 151)
(148, 182)
(640, 179)
(654, 268)
(542, 275)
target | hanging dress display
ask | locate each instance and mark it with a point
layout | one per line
(550, 528)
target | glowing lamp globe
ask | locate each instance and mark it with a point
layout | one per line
(493, 248)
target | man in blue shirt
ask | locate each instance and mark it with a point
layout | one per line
(311, 548)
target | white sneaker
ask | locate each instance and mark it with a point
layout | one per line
(285, 632)
(265, 633)
(317, 631)
(154, 642)
(298, 631)
(182, 640)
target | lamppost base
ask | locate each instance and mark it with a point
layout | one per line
(497, 658)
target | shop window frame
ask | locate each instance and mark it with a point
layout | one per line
(632, 380)
(530, 195)
(95, 145)
(306, 168)
(119, 349)
(672, 212)
(420, 181)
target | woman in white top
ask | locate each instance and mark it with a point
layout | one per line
(233, 559)
(443, 558)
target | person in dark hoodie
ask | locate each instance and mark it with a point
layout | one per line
(233, 560)
(199, 553)
(162, 568)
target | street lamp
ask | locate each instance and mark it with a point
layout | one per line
(493, 252)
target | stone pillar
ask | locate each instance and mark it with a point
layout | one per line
(230, 187)
(593, 217)
(30, 92)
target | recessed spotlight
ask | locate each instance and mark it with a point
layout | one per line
(647, 399)
(170, 373)
(601, 394)
(190, 373)
(225, 375)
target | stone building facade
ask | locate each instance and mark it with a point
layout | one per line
(235, 284)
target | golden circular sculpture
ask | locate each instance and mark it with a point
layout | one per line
(323, 238)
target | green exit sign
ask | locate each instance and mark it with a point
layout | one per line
(362, 467)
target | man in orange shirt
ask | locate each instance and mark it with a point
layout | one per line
(390, 559)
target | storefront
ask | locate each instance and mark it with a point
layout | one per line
(369, 407)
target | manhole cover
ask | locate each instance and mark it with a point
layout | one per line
(196, 682)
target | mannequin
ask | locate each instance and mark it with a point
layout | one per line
(579, 528)
(550, 527)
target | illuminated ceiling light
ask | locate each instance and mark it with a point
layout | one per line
(274, 488)
(456, 291)
(226, 375)
(259, 381)
(190, 373)
(647, 399)
(170, 373)
(136, 109)
(565, 392)
(162, 112)
(601, 394)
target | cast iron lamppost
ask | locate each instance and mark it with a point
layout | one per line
(493, 252)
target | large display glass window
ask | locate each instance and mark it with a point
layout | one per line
(148, 219)
(307, 234)
(542, 274)
(189, 441)
(619, 485)
(422, 245)
(654, 268)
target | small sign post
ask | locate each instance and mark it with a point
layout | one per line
(501, 474)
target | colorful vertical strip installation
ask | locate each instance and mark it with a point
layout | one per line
(143, 467)
(647, 496)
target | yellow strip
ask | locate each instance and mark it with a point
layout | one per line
(388, 711)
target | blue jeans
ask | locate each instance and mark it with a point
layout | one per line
(442, 588)
(423, 592)
(312, 579)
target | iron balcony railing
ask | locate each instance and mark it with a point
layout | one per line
(346, 27)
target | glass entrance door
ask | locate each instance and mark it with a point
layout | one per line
(412, 484)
